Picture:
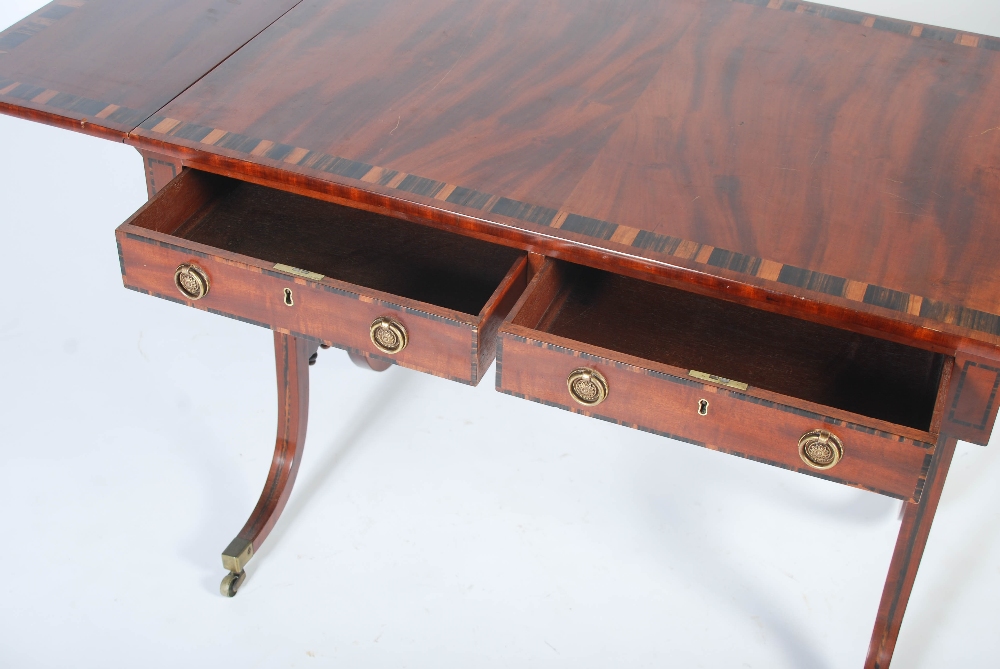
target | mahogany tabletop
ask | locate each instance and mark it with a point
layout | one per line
(788, 152)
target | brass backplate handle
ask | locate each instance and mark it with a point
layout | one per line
(191, 281)
(587, 386)
(821, 449)
(388, 335)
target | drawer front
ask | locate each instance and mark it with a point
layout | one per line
(340, 317)
(732, 422)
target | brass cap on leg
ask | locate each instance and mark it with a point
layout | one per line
(237, 554)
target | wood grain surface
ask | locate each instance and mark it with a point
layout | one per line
(103, 66)
(825, 153)
(808, 157)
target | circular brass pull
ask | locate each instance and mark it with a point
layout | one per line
(820, 449)
(587, 386)
(192, 281)
(388, 335)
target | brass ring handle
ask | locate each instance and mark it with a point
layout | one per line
(192, 281)
(587, 386)
(820, 449)
(388, 335)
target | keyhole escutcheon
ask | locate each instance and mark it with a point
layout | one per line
(288, 298)
(702, 407)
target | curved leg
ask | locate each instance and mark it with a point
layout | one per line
(913, 533)
(292, 358)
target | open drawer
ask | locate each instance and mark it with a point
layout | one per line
(804, 396)
(374, 285)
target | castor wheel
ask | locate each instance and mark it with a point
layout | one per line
(231, 583)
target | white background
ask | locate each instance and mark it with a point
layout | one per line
(433, 525)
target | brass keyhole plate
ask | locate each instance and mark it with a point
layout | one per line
(702, 407)
(388, 335)
(587, 386)
(821, 449)
(191, 281)
(289, 302)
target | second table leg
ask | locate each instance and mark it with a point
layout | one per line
(292, 356)
(913, 533)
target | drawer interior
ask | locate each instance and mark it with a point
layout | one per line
(352, 245)
(864, 375)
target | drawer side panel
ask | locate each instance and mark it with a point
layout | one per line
(972, 404)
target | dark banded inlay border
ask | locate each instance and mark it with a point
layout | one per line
(31, 25)
(881, 23)
(93, 110)
(287, 156)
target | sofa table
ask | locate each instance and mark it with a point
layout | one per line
(764, 227)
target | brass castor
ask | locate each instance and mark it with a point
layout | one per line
(231, 583)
